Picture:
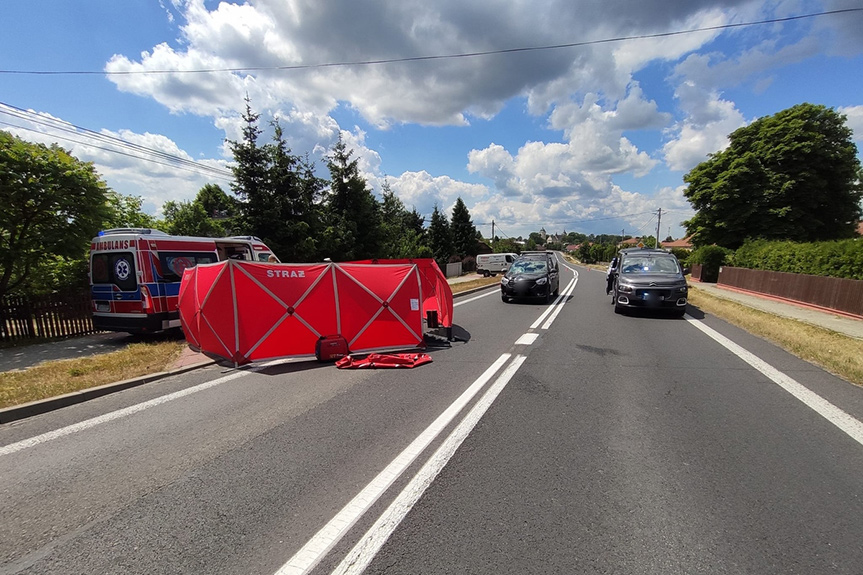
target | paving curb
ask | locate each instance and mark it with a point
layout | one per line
(25, 410)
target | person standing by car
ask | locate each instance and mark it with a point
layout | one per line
(609, 275)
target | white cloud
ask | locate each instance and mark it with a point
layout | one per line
(855, 120)
(422, 191)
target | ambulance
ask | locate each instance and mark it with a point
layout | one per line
(135, 274)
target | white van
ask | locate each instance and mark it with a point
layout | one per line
(491, 264)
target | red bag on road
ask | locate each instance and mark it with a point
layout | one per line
(384, 360)
(331, 348)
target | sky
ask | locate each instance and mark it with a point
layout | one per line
(563, 115)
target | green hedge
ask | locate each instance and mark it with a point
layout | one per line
(711, 259)
(840, 259)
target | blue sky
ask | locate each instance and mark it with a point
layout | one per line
(591, 138)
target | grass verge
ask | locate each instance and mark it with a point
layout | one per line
(835, 352)
(473, 284)
(54, 378)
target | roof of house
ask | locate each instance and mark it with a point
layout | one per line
(684, 243)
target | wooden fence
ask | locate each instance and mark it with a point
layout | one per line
(838, 294)
(28, 318)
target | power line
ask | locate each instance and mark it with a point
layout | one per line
(440, 56)
(112, 150)
(162, 158)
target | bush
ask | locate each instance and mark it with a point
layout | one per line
(682, 256)
(840, 259)
(468, 264)
(711, 259)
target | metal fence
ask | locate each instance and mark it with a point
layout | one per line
(25, 318)
(838, 294)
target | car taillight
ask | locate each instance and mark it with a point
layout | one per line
(146, 301)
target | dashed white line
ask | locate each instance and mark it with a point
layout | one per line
(527, 339)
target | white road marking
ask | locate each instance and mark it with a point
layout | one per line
(527, 339)
(566, 293)
(319, 545)
(365, 550)
(125, 412)
(821, 406)
(462, 302)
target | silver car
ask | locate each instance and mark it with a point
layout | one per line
(649, 278)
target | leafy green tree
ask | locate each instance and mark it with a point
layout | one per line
(793, 175)
(190, 219)
(216, 203)
(126, 212)
(440, 238)
(353, 209)
(507, 246)
(51, 206)
(464, 234)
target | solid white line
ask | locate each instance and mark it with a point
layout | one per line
(821, 406)
(132, 409)
(365, 550)
(88, 423)
(462, 302)
(557, 308)
(314, 550)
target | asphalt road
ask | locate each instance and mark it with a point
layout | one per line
(597, 443)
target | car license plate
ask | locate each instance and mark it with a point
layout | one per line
(103, 306)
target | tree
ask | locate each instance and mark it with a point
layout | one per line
(126, 212)
(790, 176)
(402, 231)
(250, 176)
(506, 246)
(51, 206)
(353, 210)
(294, 225)
(464, 235)
(279, 195)
(190, 219)
(440, 238)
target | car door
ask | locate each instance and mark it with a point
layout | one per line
(553, 274)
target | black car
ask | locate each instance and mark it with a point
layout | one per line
(533, 276)
(649, 278)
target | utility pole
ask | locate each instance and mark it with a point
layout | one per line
(492, 233)
(658, 221)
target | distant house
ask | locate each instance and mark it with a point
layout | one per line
(482, 248)
(684, 244)
(573, 247)
(629, 243)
